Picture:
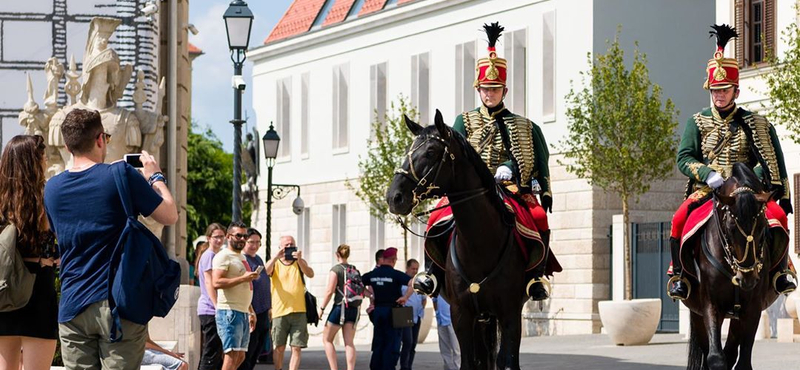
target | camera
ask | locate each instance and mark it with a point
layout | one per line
(150, 9)
(297, 206)
(238, 82)
(287, 253)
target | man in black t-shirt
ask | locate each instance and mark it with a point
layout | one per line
(385, 284)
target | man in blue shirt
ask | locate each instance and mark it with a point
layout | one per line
(85, 211)
(410, 336)
(385, 283)
(262, 301)
(448, 343)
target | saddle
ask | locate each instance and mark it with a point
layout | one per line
(441, 230)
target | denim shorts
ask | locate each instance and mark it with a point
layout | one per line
(350, 315)
(152, 357)
(233, 328)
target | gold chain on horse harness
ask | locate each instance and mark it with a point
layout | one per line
(730, 255)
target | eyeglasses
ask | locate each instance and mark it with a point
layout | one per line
(106, 137)
(255, 242)
(218, 237)
(238, 236)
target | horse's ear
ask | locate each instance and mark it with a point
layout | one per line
(414, 127)
(764, 197)
(440, 125)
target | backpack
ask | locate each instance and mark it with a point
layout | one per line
(143, 281)
(353, 292)
(16, 282)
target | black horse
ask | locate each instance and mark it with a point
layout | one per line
(485, 269)
(733, 261)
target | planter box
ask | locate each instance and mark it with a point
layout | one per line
(631, 322)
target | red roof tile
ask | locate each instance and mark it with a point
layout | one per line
(371, 6)
(302, 13)
(194, 50)
(338, 12)
(297, 19)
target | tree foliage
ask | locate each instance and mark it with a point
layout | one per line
(621, 136)
(387, 148)
(209, 185)
(783, 84)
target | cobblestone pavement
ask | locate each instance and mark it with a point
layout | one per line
(665, 352)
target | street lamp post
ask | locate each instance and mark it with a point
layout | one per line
(238, 22)
(270, 142)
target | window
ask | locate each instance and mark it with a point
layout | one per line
(465, 77)
(284, 116)
(420, 77)
(377, 96)
(303, 233)
(341, 81)
(323, 13)
(338, 227)
(377, 235)
(353, 13)
(755, 24)
(549, 65)
(516, 50)
(305, 111)
(390, 3)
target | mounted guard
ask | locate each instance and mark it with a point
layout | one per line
(713, 141)
(515, 150)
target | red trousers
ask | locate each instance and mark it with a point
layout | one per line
(537, 212)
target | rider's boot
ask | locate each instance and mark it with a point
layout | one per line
(678, 286)
(538, 287)
(781, 282)
(428, 282)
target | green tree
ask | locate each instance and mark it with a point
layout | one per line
(208, 189)
(621, 138)
(386, 153)
(783, 84)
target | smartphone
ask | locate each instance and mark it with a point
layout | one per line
(135, 160)
(287, 253)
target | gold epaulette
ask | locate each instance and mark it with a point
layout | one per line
(760, 126)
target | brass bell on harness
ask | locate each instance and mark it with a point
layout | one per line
(474, 288)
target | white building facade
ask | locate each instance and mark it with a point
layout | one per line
(320, 87)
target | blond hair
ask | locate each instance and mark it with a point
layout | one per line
(343, 251)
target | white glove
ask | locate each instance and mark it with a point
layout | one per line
(714, 180)
(503, 173)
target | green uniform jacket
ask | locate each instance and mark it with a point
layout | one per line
(527, 145)
(704, 148)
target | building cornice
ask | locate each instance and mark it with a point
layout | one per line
(349, 28)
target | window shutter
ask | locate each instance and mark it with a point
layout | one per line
(769, 28)
(796, 215)
(739, 24)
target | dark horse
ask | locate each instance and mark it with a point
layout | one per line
(484, 258)
(733, 274)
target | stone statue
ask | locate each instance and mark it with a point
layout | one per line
(54, 70)
(249, 157)
(31, 117)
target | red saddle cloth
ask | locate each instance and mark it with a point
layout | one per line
(699, 217)
(525, 232)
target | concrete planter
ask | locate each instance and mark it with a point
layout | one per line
(631, 322)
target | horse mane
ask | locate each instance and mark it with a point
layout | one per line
(746, 204)
(475, 160)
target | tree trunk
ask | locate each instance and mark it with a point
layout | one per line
(626, 234)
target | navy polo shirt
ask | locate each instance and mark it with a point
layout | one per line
(386, 283)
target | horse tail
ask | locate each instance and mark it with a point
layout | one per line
(696, 354)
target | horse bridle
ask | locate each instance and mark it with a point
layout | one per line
(730, 256)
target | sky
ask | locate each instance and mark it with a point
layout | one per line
(212, 95)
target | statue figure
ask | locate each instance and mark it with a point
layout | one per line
(249, 157)
(151, 123)
(54, 71)
(104, 81)
(31, 117)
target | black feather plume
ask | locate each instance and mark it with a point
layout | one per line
(724, 33)
(493, 32)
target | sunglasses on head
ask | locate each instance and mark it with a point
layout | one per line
(239, 236)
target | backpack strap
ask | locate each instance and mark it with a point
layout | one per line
(120, 179)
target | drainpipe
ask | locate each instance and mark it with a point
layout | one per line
(172, 126)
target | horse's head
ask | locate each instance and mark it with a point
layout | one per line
(740, 211)
(425, 172)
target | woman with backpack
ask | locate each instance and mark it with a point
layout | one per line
(28, 333)
(344, 284)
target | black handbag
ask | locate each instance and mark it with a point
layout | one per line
(402, 317)
(312, 313)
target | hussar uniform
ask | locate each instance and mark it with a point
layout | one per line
(712, 143)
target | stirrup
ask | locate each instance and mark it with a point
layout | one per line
(674, 279)
(782, 273)
(545, 283)
(433, 279)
